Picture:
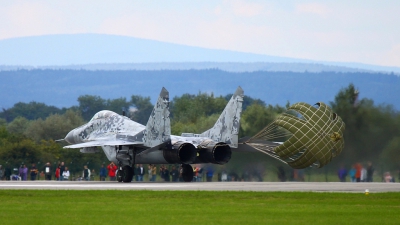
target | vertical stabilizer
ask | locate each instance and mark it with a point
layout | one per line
(158, 128)
(226, 129)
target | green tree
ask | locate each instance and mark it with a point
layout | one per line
(18, 125)
(118, 105)
(90, 105)
(369, 128)
(3, 122)
(142, 109)
(390, 157)
(31, 111)
(54, 127)
(24, 151)
(256, 117)
(202, 124)
(247, 101)
(189, 108)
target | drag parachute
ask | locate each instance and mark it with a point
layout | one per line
(312, 135)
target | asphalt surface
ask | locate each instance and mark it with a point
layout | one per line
(205, 186)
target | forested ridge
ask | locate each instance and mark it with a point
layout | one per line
(62, 88)
(28, 130)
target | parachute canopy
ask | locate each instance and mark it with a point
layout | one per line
(315, 136)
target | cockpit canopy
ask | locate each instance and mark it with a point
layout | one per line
(102, 115)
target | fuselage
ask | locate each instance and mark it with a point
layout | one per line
(104, 125)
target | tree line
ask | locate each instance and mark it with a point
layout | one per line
(28, 130)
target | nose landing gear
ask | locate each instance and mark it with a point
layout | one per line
(125, 174)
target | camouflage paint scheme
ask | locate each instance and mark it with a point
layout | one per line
(316, 139)
(110, 130)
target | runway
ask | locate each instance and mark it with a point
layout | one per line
(205, 186)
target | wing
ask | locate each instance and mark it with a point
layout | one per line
(103, 143)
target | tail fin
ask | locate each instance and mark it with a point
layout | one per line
(226, 129)
(158, 128)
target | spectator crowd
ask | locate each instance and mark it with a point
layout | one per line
(173, 173)
(360, 173)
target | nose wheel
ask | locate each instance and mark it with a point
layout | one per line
(125, 174)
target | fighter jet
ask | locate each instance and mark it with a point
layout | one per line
(314, 138)
(126, 142)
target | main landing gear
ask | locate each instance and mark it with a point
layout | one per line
(125, 173)
(187, 172)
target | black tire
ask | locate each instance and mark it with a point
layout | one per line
(119, 175)
(127, 174)
(187, 172)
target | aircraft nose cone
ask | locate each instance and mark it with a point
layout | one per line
(70, 137)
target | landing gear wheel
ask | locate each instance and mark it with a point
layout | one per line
(127, 174)
(187, 172)
(119, 175)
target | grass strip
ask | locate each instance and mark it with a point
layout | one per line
(195, 207)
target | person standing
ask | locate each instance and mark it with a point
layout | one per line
(92, 175)
(103, 173)
(57, 173)
(342, 173)
(7, 173)
(387, 177)
(352, 173)
(281, 174)
(62, 168)
(149, 171)
(1, 172)
(358, 172)
(166, 174)
(370, 172)
(199, 174)
(23, 172)
(136, 172)
(174, 174)
(86, 173)
(153, 173)
(162, 172)
(195, 173)
(140, 172)
(65, 174)
(363, 177)
(33, 172)
(112, 169)
(224, 176)
(180, 173)
(209, 174)
(47, 171)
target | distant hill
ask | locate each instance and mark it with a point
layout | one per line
(100, 50)
(225, 66)
(61, 88)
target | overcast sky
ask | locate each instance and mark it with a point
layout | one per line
(338, 30)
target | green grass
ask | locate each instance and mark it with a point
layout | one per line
(196, 207)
